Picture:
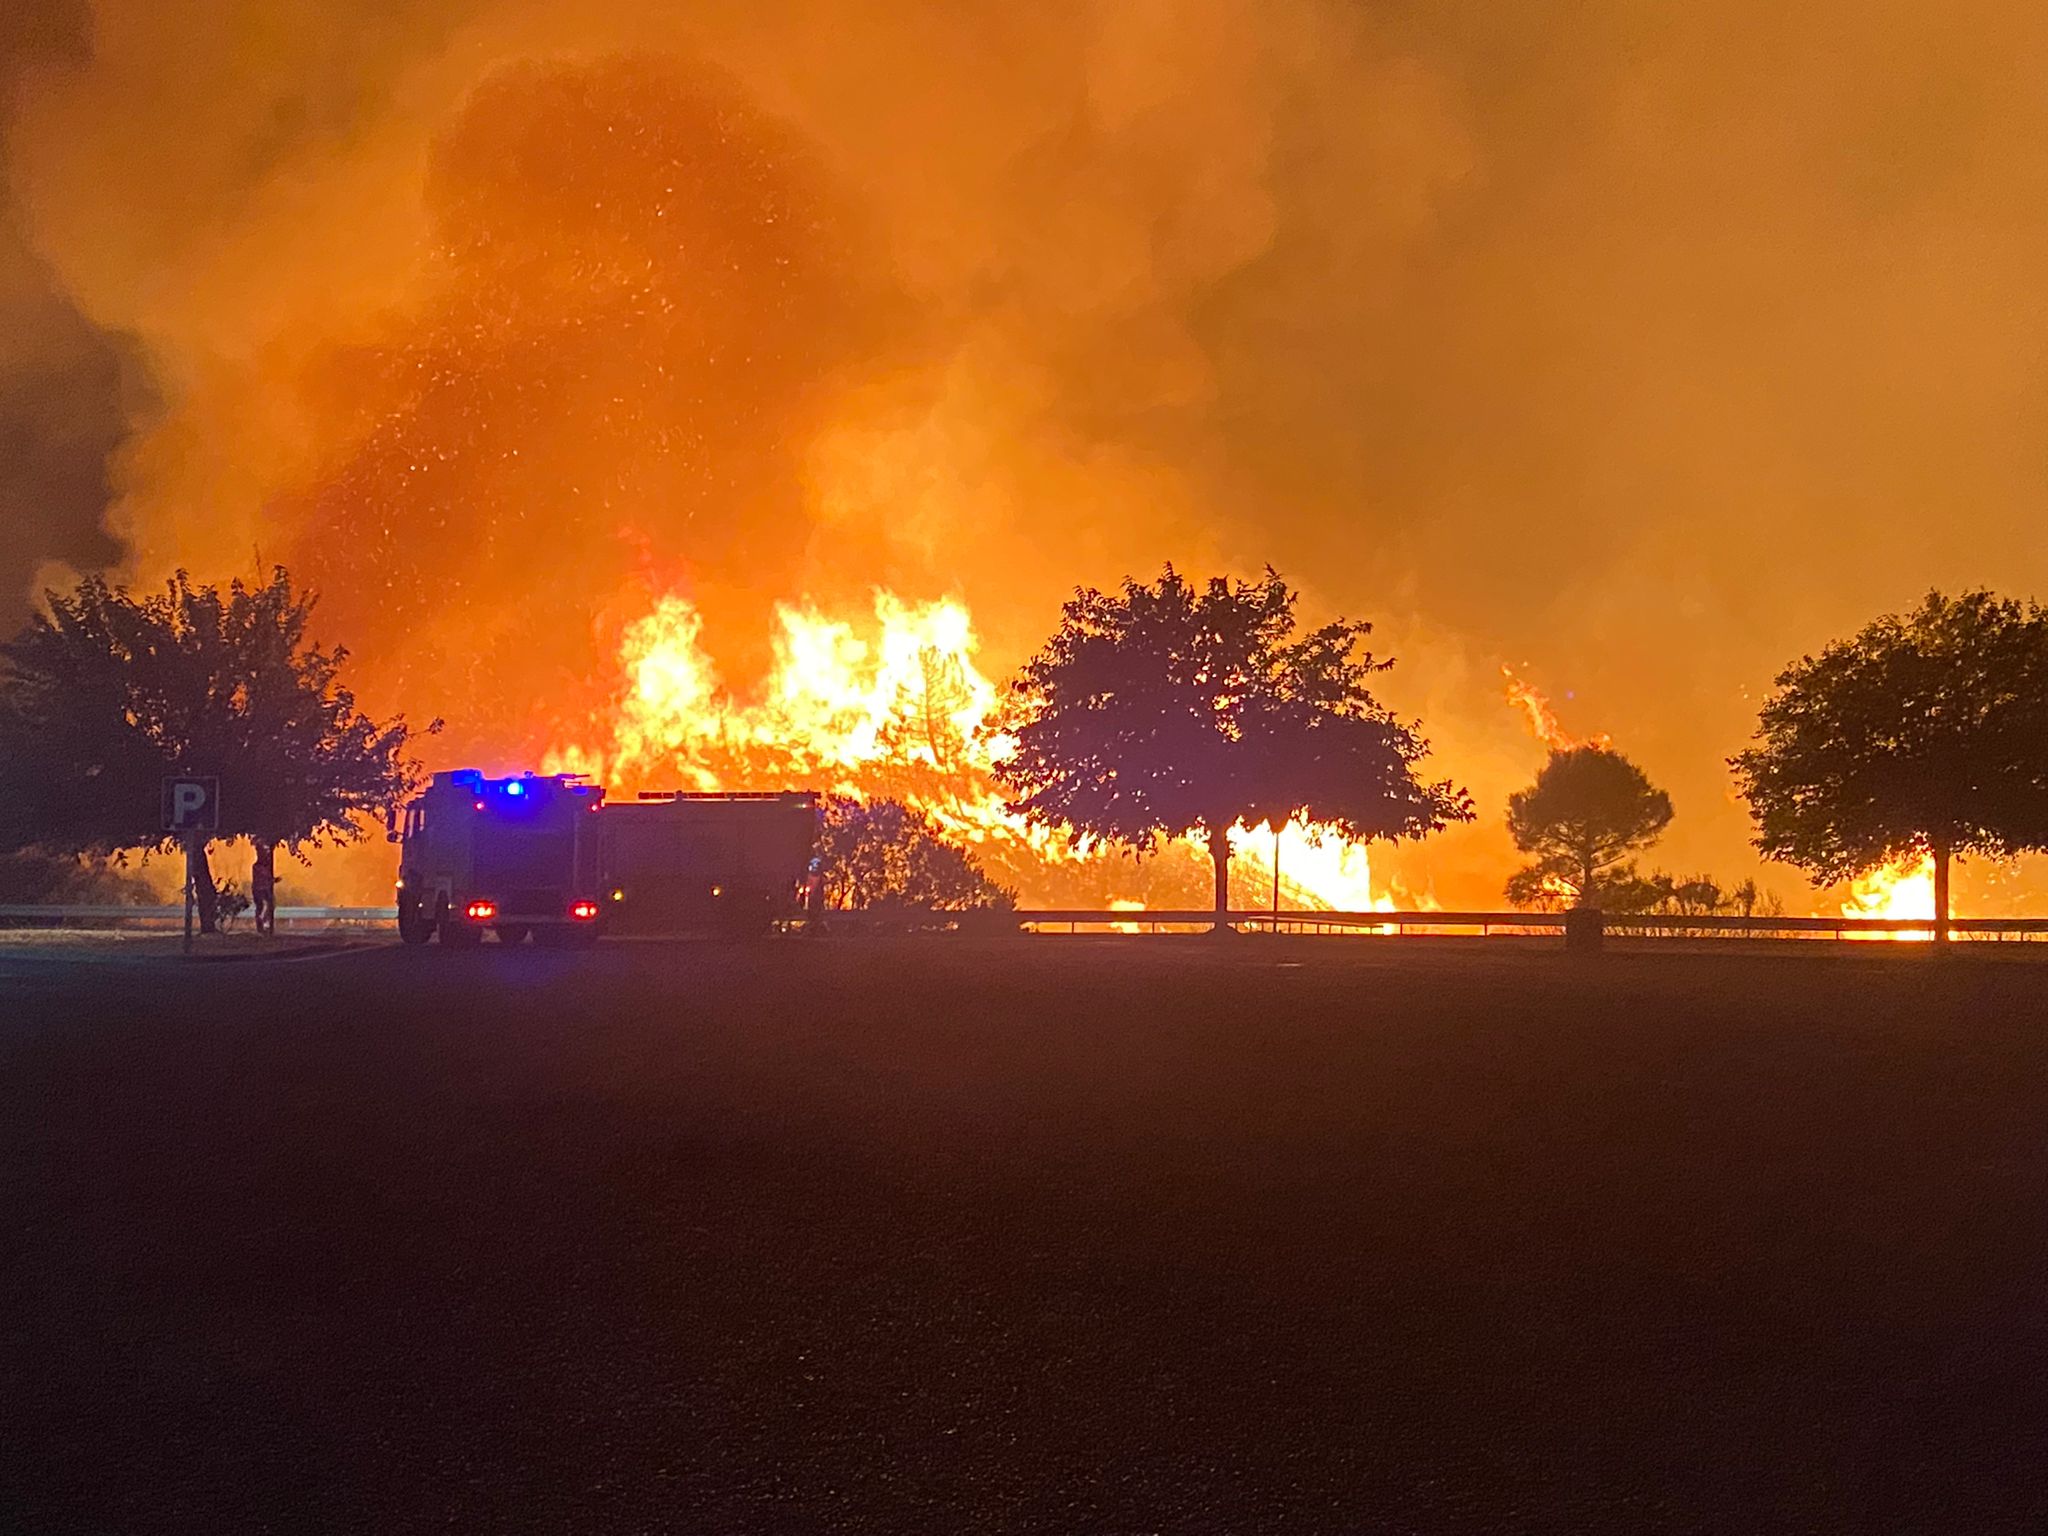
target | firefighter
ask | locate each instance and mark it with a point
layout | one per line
(263, 888)
(814, 895)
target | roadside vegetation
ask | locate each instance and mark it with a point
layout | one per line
(882, 854)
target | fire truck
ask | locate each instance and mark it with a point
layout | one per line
(718, 863)
(516, 856)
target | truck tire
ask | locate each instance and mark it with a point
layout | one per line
(413, 928)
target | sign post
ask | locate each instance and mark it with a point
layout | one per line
(191, 809)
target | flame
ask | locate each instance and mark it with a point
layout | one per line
(1125, 904)
(835, 703)
(894, 703)
(1542, 719)
(1900, 890)
(1317, 867)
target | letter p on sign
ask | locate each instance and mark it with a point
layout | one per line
(192, 804)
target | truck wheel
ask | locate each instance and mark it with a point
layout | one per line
(412, 928)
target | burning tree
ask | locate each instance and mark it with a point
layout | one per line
(1175, 709)
(106, 693)
(1925, 736)
(925, 719)
(1589, 809)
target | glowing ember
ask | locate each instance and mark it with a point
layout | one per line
(894, 704)
(1897, 891)
(1542, 719)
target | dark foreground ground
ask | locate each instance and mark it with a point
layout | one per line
(1048, 1236)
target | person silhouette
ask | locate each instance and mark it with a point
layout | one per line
(263, 888)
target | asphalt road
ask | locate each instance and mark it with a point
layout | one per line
(1038, 1236)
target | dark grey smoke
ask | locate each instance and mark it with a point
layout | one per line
(68, 388)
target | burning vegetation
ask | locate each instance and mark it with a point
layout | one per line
(895, 707)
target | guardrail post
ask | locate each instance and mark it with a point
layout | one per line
(1582, 930)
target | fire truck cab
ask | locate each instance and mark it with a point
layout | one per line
(515, 855)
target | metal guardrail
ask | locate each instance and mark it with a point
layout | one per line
(1614, 924)
(1078, 919)
(57, 916)
(1626, 923)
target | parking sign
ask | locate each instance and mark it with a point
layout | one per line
(192, 804)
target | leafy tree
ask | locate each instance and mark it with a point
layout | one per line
(1179, 709)
(1924, 735)
(883, 853)
(1589, 809)
(106, 693)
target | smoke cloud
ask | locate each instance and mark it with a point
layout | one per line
(67, 387)
(1644, 348)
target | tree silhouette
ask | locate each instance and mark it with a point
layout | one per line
(922, 731)
(1589, 809)
(882, 853)
(1175, 709)
(1924, 735)
(106, 693)
(940, 698)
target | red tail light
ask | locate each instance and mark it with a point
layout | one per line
(482, 911)
(583, 911)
